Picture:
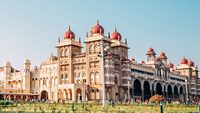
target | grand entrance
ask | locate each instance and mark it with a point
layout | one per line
(137, 91)
(159, 89)
(147, 91)
(44, 95)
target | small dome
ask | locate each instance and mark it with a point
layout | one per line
(162, 55)
(8, 63)
(171, 65)
(142, 62)
(27, 61)
(191, 63)
(184, 61)
(133, 60)
(151, 51)
(97, 29)
(116, 35)
(69, 34)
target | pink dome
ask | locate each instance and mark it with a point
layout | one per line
(116, 35)
(184, 61)
(97, 29)
(69, 34)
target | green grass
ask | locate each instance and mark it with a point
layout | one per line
(94, 108)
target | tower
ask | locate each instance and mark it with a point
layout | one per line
(26, 75)
(7, 68)
(66, 50)
(121, 66)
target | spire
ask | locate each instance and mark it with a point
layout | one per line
(108, 34)
(115, 29)
(79, 39)
(86, 34)
(51, 54)
(97, 21)
(59, 39)
(125, 41)
(69, 29)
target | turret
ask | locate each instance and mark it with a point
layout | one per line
(26, 76)
(7, 68)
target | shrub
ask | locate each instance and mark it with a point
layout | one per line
(156, 98)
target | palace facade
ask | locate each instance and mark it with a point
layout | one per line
(103, 69)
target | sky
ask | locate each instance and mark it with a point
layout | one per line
(30, 29)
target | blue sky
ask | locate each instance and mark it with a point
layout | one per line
(29, 29)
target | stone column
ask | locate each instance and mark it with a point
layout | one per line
(142, 94)
(133, 94)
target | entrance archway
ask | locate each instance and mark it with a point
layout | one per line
(1, 97)
(137, 89)
(60, 95)
(44, 95)
(18, 97)
(78, 95)
(147, 91)
(159, 89)
(176, 92)
(169, 92)
(12, 97)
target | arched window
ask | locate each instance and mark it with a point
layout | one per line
(96, 77)
(62, 53)
(66, 76)
(91, 49)
(92, 77)
(66, 52)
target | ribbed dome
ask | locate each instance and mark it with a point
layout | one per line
(116, 35)
(97, 29)
(150, 51)
(69, 34)
(162, 55)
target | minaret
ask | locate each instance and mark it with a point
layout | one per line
(26, 76)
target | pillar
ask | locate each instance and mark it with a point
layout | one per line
(142, 88)
(133, 97)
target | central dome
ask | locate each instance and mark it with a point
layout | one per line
(116, 35)
(69, 34)
(97, 29)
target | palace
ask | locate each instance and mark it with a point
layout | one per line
(102, 72)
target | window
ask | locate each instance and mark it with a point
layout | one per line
(92, 77)
(96, 77)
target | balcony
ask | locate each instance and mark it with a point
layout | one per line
(126, 77)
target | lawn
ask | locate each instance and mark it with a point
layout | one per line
(94, 108)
